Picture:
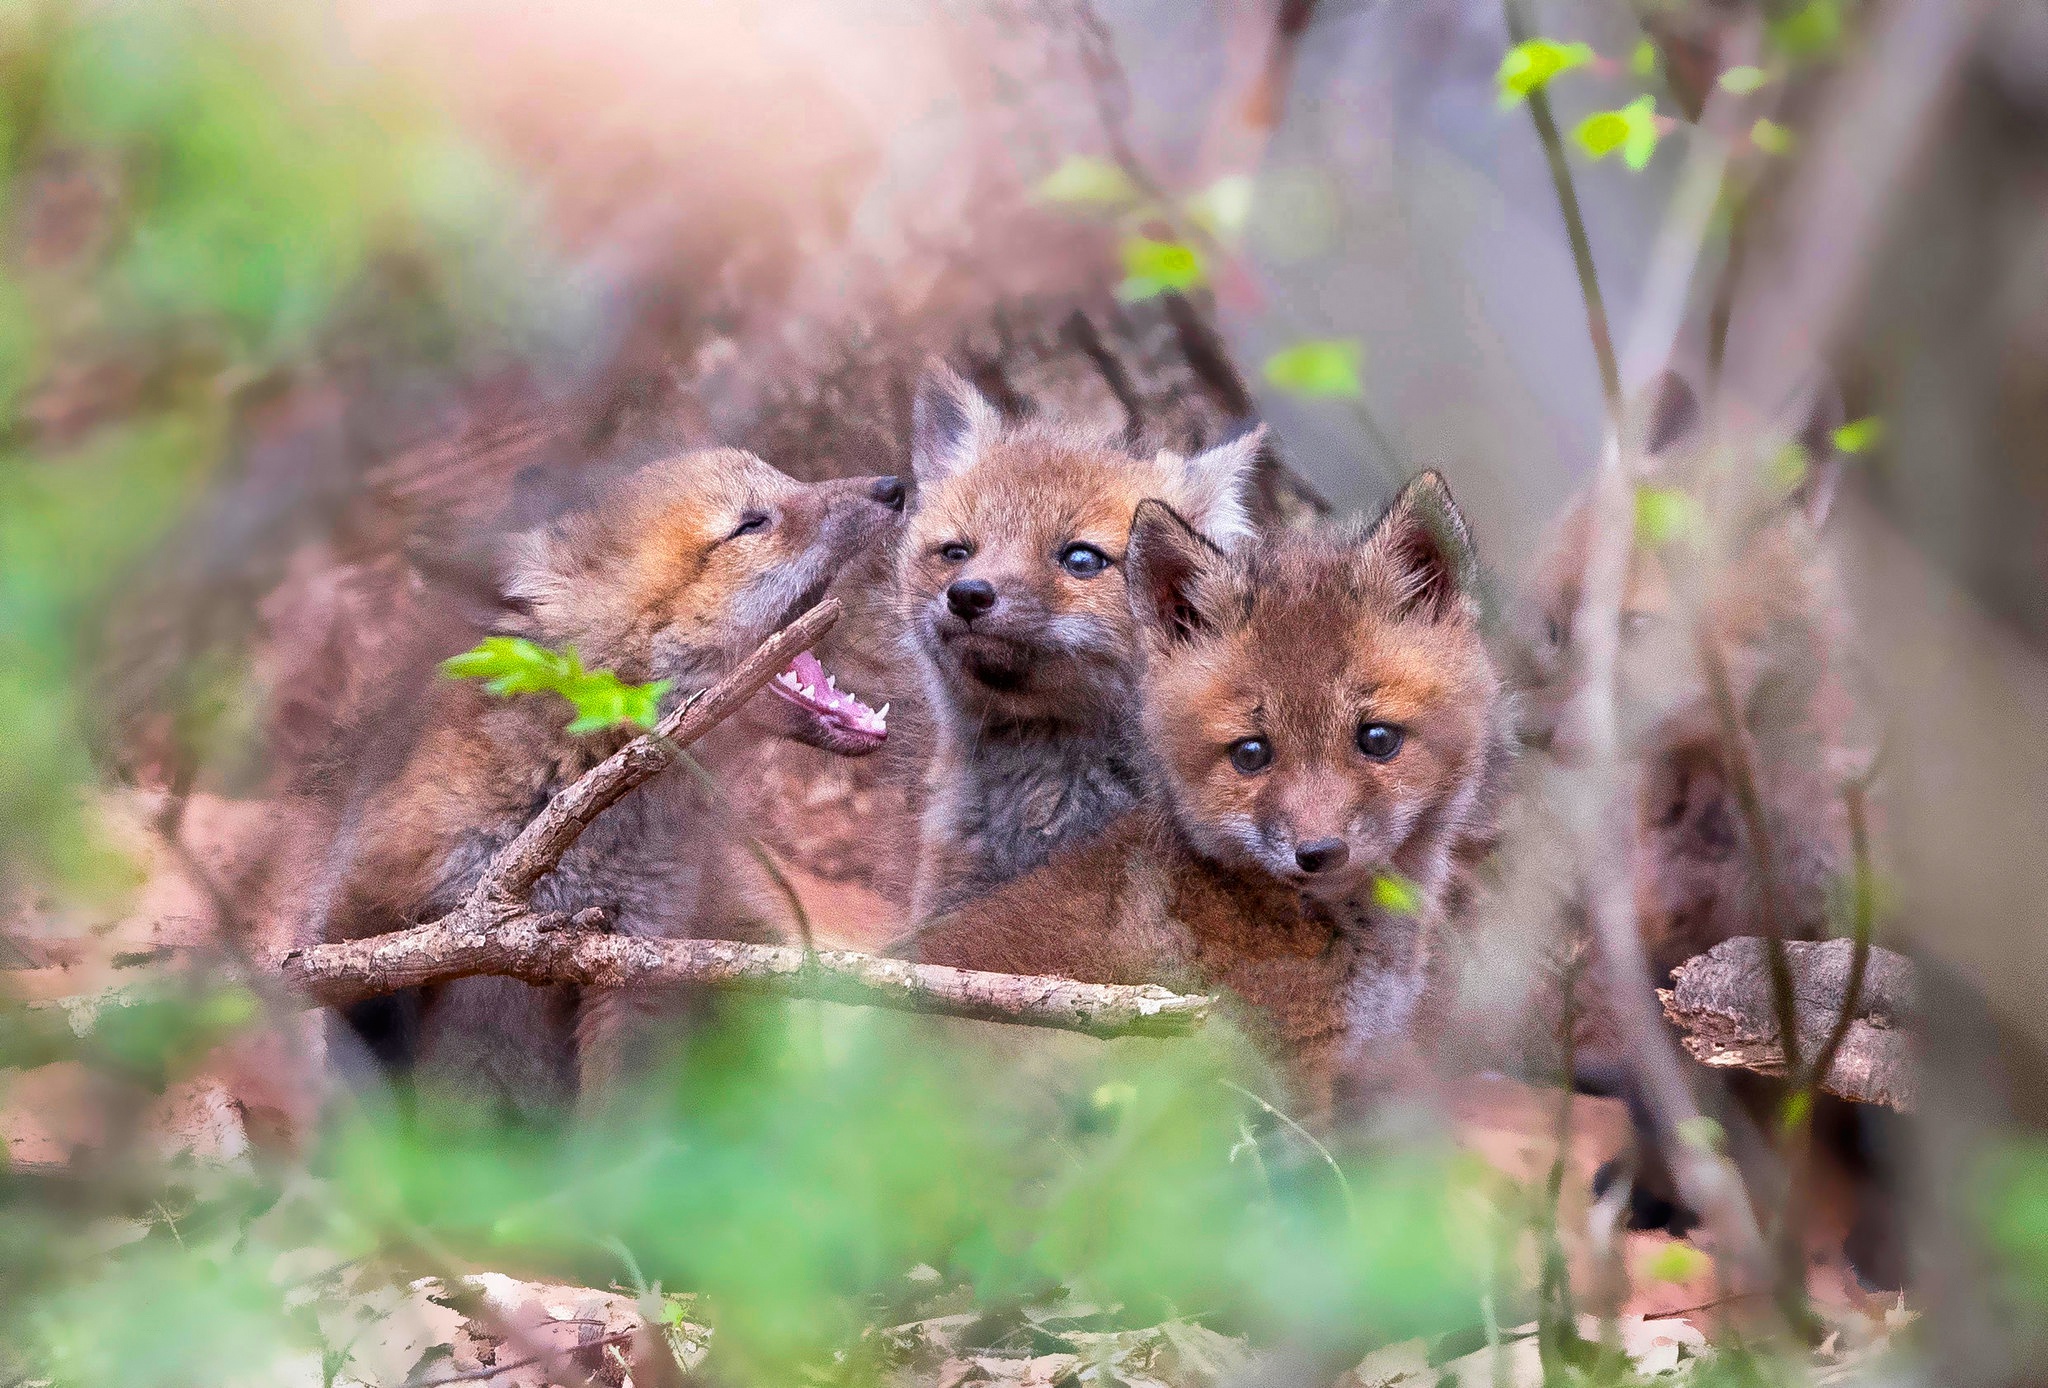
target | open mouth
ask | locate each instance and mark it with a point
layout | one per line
(848, 723)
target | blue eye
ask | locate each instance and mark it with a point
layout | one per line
(1083, 561)
(1251, 755)
(954, 552)
(1379, 740)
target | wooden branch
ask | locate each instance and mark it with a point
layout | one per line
(496, 932)
(541, 844)
(1722, 1003)
(543, 949)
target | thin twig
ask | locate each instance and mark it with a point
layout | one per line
(1575, 228)
(1343, 1185)
(1863, 908)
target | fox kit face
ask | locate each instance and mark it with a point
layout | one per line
(1012, 570)
(1321, 705)
(695, 561)
(1753, 600)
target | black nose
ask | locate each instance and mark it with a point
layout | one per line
(1322, 855)
(888, 491)
(970, 597)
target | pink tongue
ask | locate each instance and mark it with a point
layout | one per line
(806, 681)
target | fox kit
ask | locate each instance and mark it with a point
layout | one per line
(675, 575)
(1327, 730)
(1768, 604)
(1012, 581)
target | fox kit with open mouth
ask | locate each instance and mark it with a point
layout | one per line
(1327, 733)
(1012, 582)
(675, 575)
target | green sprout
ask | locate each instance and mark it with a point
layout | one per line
(1530, 64)
(1082, 179)
(1320, 369)
(1152, 268)
(1632, 130)
(513, 665)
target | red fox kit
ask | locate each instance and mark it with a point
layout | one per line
(1327, 731)
(1012, 582)
(675, 575)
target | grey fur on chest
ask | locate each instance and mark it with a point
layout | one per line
(1020, 799)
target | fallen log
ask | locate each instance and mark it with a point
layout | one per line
(1721, 1003)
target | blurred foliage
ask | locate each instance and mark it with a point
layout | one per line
(511, 665)
(1153, 267)
(197, 198)
(798, 1170)
(1327, 368)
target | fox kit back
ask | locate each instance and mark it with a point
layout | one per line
(675, 575)
(1327, 731)
(1012, 583)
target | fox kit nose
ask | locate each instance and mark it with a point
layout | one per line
(1323, 855)
(888, 491)
(970, 597)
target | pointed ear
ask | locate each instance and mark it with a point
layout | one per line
(1814, 495)
(1178, 581)
(1673, 414)
(1422, 549)
(1213, 489)
(949, 422)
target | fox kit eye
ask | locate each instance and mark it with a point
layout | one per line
(751, 522)
(1553, 631)
(1379, 740)
(1083, 561)
(954, 552)
(1251, 755)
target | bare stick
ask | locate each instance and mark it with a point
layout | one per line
(542, 949)
(541, 844)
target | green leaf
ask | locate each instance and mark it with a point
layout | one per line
(1859, 435)
(1810, 32)
(1788, 469)
(1530, 64)
(1323, 369)
(1797, 1108)
(1223, 207)
(511, 665)
(1643, 61)
(1677, 1262)
(1665, 515)
(1392, 892)
(1770, 137)
(1631, 129)
(1086, 180)
(1153, 267)
(1744, 80)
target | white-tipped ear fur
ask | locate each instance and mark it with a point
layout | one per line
(950, 422)
(1213, 489)
(529, 576)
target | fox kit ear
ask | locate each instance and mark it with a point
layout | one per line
(529, 577)
(1178, 580)
(949, 422)
(1674, 414)
(1212, 490)
(1422, 550)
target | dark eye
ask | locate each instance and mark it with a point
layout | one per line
(1083, 561)
(749, 523)
(1250, 755)
(1379, 740)
(954, 552)
(1553, 632)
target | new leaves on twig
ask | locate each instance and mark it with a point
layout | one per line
(1632, 129)
(1531, 64)
(511, 665)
